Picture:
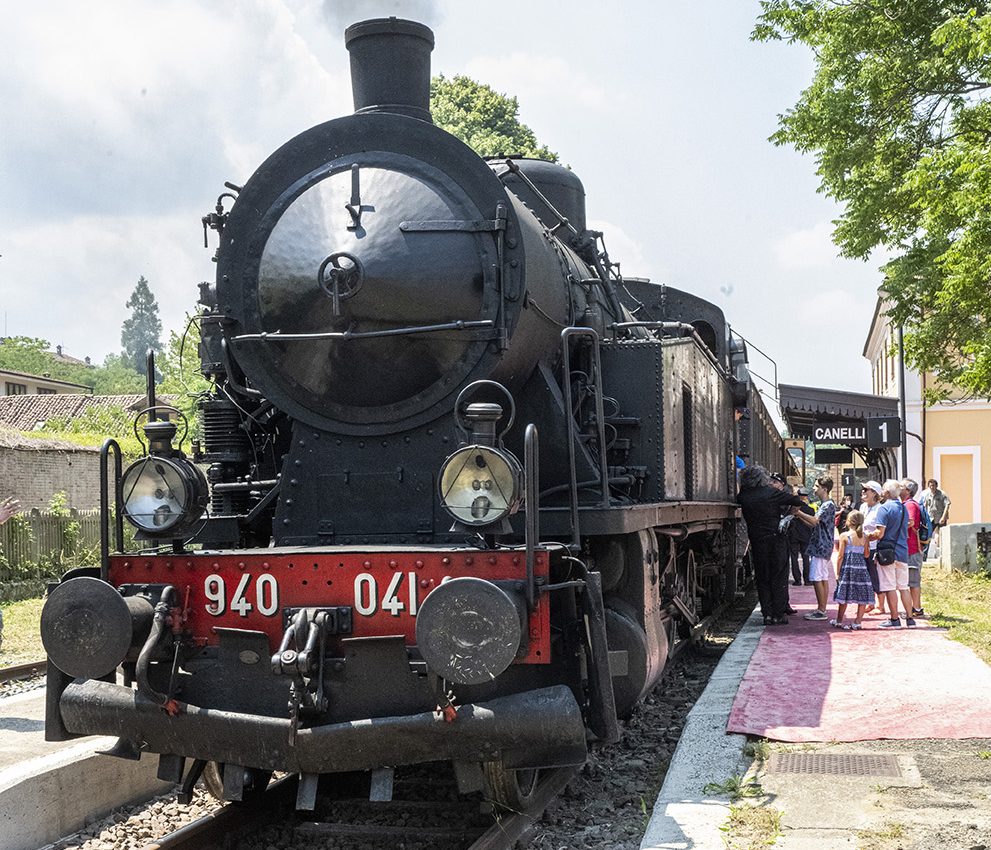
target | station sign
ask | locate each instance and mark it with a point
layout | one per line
(850, 433)
(884, 431)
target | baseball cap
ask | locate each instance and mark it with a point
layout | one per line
(777, 476)
(802, 491)
(872, 485)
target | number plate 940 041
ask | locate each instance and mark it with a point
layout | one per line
(382, 591)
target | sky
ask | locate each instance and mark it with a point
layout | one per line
(120, 122)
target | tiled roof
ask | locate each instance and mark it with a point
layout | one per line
(21, 442)
(42, 378)
(26, 412)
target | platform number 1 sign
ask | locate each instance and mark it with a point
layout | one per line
(884, 431)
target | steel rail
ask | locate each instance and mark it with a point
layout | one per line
(23, 671)
(209, 831)
(510, 828)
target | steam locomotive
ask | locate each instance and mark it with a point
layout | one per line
(459, 488)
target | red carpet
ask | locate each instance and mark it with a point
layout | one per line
(808, 681)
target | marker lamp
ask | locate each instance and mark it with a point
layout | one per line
(161, 495)
(480, 485)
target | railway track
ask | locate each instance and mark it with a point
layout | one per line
(394, 822)
(22, 671)
(351, 820)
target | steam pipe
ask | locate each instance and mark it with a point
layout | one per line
(154, 636)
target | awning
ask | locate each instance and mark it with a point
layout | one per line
(802, 407)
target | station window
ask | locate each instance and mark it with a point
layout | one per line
(16, 389)
(46, 391)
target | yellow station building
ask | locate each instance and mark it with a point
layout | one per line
(949, 441)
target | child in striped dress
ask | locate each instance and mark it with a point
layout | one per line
(853, 585)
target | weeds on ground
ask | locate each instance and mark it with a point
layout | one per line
(884, 838)
(751, 827)
(758, 750)
(960, 603)
(984, 754)
(736, 787)
(21, 632)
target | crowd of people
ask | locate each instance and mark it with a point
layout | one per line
(878, 547)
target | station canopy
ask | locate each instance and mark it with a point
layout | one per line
(804, 407)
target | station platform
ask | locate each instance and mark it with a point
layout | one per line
(47, 789)
(875, 738)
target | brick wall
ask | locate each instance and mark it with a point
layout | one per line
(34, 476)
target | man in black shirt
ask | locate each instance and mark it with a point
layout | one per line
(798, 538)
(762, 507)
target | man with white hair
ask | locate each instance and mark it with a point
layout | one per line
(891, 555)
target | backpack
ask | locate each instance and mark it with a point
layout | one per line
(925, 525)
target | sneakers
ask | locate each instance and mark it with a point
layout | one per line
(852, 627)
(892, 624)
(837, 624)
(910, 622)
(816, 615)
(918, 612)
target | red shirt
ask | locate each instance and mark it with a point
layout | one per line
(914, 521)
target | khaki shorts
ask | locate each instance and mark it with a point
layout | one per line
(892, 577)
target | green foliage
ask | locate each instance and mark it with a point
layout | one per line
(110, 421)
(58, 506)
(143, 329)
(899, 121)
(32, 356)
(116, 377)
(736, 787)
(179, 365)
(486, 121)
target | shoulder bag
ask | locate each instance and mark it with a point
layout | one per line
(885, 554)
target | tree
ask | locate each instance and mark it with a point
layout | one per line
(117, 377)
(486, 121)
(898, 118)
(32, 356)
(180, 367)
(143, 329)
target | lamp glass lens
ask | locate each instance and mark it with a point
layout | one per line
(478, 485)
(155, 494)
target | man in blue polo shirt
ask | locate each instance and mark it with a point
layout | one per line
(892, 536)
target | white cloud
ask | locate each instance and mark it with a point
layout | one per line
(535, 79)
(624, 249)
(78, 297)
(805, 249)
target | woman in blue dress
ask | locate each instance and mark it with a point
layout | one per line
(853, 586)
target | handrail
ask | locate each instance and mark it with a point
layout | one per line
(531, 462)
(105, 505)
(459, 325)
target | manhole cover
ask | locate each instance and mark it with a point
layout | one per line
(834, 764)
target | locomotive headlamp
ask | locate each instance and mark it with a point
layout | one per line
(163, 495)
(480, 485)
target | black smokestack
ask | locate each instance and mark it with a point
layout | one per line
(390, 66)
